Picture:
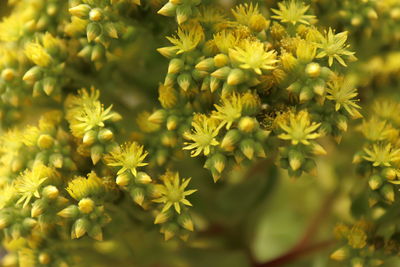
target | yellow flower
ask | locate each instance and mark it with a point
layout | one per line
(382, 155)
(376, 129)
(128, 156)
(81, 187)
(334, 46)
(293, 12)
(203, 135)
(341, 91)
(173, 192)
(299, 128)
(12, 28)
(90, 117)
(387, 109)
(85, 112)
(8, 194)
(29, 184)
(144, 124)
(229, 111)
(225, 40)
(253, 55)
(188, 37)
(249, 15)
(38, 54)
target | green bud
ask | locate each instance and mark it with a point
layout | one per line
(8, 74)
(38, 208)
(375, 182)
(86, 205)
(294, 87)
(105, 135)
(214, 84)
(168, 10)
(33, 74)
(96, 233)
(184, 80)
(186, 222)
(247, 124)
(98, 53)
(305, 94)
(387, 191)
(80, 227)
(49, 84)
(168, 52)
(143, 178)
(206, 65)
(221, 60)
(389, 173)
(86, 52)
(56, 160)
(93, 30)
(198, 75)
(44, 258)
(69, 212)
(183, 13)
(111, 30)
(96, 14)
(340, 254)
(89, 138)
(137, 195)
(221, 73)
(235, 77)
(158, 116)
(172, 123)
(175, 66)
(50, 192)
(313, 70)
(96, 153)
(45, 141)
(296, 159)
(230, 140)
(123, 179)
(247, 148)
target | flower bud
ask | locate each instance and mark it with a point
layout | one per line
(175, 66)
(221, 60)
(105, 135)
(45, 141)
(247, 148)
(123, 179)
(168, 10)
(247, 124)
(158, 116)
(96, 153)
(183, 12)
(313, 70)
(71, 211)
(93, 30)
(86, 205)
(206, 65)
(184, 80)
(221, 73)
(235, 77)
(50, 192)
(230, 140)
(81, 226)
(95, 14)
(138, 196)
(80, 11)
(143, 178)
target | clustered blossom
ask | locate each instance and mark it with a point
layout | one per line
(261, 81)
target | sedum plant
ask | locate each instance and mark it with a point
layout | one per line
(155, 133)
